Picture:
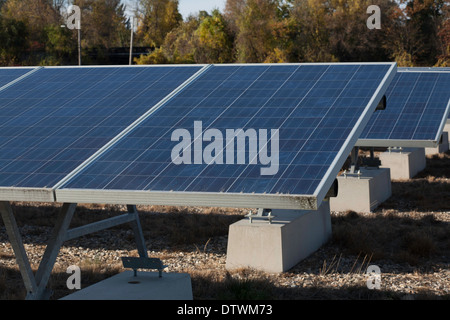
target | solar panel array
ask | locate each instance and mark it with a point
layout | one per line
(74, 130)
(418, 106)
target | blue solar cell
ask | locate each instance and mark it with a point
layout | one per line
(416, 107)
(8, 75)
(314, 107)
(57, 118)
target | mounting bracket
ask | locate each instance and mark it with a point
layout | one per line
(262, 214)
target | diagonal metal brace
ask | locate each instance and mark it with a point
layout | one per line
(36, 285)
(17, 244)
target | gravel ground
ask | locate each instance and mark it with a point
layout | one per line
(327, 274)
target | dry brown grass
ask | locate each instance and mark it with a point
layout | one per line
(413, 238)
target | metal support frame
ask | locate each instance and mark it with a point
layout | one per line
(36, 285)
(262, 214)
(17, 245)
(354, 165)
(371, 161)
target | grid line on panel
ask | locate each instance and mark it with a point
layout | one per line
(285, 120)
(92, 114)
(312, 133)
(129, 129)
(404, 107)
(168, 131)
(252, 117)
(375, 116)
(44, 164)
(426, 104)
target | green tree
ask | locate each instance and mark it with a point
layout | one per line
(156, 19)
(312, 39)
(13, 41)
(33, 16)
(253, 22)
(203, 38)
(351, 39)
(60, 46)
(181, 43)
(103, 23)
(215, 43)
(421, 23)
(444, 38)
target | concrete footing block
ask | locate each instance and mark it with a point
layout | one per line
(362, 193)
(277, 247)
(404, 163)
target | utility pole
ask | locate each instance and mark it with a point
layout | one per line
(79, 42)
(132, 40)
(73, 21)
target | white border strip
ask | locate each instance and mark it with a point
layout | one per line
(126, 131)
(385, 143)
(424, 70)
(124, 66)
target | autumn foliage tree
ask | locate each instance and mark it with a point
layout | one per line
(413, 32)
(203, 38)
(156, 19)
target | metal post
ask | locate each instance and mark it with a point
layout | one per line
(79, 46)
(138, 233)
(17, 244)
(354, 160)
(53, 247)
(132, 40)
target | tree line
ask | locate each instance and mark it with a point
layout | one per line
(413, 32)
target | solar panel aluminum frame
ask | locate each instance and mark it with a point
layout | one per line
(27, 194)
(47, 194)
(240, 200)
(389, 143)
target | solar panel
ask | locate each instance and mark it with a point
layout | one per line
(418, 104)
(8, 75)
(309, 115)
(56, 118)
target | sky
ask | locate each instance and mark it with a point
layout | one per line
(187, 7)
(194, 6)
